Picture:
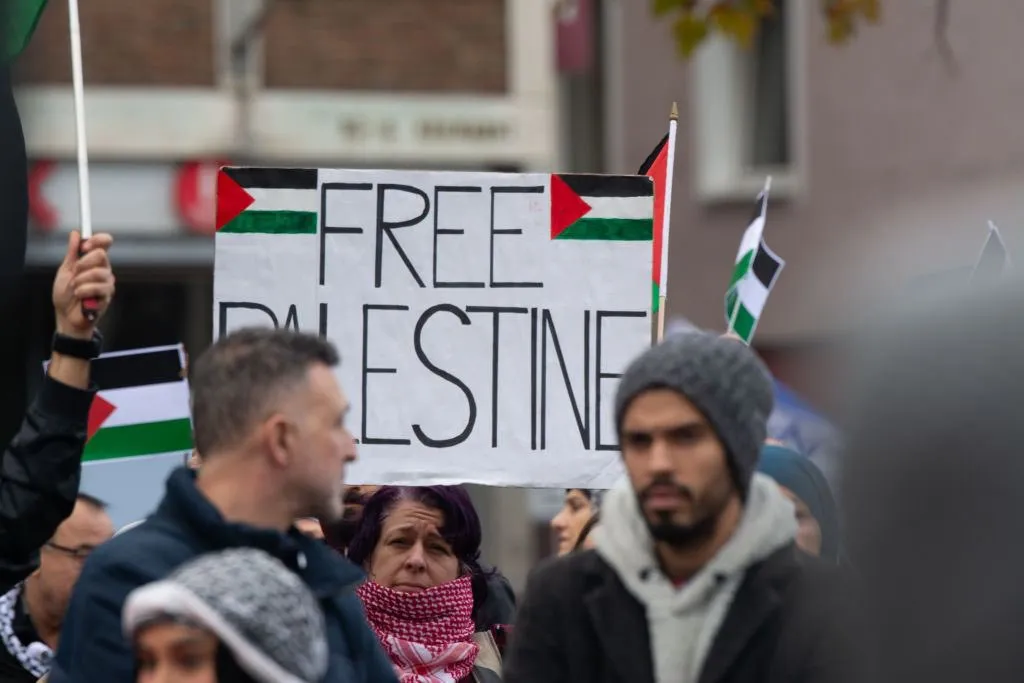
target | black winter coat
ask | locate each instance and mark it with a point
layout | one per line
(577, 623)
(40, 472)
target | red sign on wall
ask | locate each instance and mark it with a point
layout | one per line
(195, 195)
(574, 36)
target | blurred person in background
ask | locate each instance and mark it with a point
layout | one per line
(696, 575)
(420, 547)
(41, 468)
(269, 420)
(586, 539)
(236, 616)
(338, 533)
(805, 485)
(933, 483)
(579, 506)
(31, 613)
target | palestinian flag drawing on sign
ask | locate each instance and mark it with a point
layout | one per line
(142, 406)
(268, 201)
(599, 207)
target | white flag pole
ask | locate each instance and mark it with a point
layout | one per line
(78, 86)
(673, 120)
(90, 307)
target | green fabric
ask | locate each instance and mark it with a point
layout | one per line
(19, 24)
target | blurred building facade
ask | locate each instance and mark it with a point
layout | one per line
(887, 158)
(172, 91)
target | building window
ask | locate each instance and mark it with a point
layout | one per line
(748, 110)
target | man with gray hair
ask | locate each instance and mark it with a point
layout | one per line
(269, 420)
(695, 576)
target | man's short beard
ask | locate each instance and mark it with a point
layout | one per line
(683, 536)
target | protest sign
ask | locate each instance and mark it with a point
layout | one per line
(139, 428)
(483, 318)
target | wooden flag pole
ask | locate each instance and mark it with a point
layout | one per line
(673, 119)
(90, 307)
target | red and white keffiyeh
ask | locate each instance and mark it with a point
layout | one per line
(427, 635)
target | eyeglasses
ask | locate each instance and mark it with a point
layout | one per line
(79, 553)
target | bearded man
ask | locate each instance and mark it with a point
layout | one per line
(695, 577)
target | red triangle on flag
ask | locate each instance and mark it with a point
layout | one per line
(99, 411)
(567, 207)
(657, 170)
(232, 199)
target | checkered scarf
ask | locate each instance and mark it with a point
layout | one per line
(428, 635)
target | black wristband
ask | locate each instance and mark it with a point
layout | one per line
(85, 349)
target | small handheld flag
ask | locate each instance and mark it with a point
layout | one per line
(994, 259)
(757, 268)
(659, 166)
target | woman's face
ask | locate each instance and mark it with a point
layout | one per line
(175, 653)
(808, 533)
(570, 520)
(411, 555)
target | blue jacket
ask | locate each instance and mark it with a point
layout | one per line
(92, 648)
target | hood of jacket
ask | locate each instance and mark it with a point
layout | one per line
(683, 621)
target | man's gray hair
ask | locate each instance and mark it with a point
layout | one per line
(240, 379)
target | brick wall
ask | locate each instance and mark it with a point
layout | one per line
(126, 42)
(394, 45)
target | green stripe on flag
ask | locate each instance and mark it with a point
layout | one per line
(18, 20)
(273, 223)
(610, 229)
(147, 438)
(742, 268)
(655, 298)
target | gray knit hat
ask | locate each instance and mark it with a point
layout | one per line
(262, 612)
(722, 378)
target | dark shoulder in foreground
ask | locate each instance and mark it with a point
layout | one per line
(150, 547)
(569, 575)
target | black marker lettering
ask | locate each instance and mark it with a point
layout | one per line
(385, 228)
(226, 306)
(601, 375)
(532, 189)
(582, 418)
(445, 375)
(438, 284)
(495, 312)
(533, 379)
(323, 320)
(291, 318)
(332, 229)
(367, 371)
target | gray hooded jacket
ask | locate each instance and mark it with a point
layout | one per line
(683, 622)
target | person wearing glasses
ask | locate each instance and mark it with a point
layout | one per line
(31, 613)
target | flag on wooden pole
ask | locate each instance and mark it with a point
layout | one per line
(994, 260)
(659, 166)
(757, 268)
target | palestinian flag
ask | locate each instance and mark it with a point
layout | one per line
(20, 18)
(267, 201)
(757, 268)
(142, 407)
(602, 207)
(656, 167)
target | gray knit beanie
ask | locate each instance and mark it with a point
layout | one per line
(258, 609)
(722, 378)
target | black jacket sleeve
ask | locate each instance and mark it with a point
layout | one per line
(40, 472)
(500, 606)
